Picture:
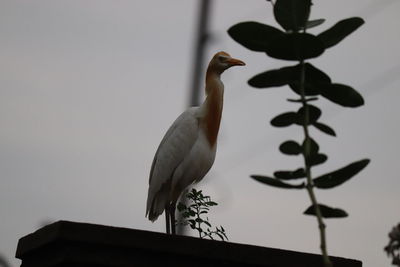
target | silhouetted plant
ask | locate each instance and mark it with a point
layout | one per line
(309, 83)
(393, 248)
(193, 215)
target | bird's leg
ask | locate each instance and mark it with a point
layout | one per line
(172, 214)
(167, 220)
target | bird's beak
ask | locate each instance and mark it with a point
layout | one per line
(235, 62)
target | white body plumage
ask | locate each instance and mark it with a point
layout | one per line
(184, 143)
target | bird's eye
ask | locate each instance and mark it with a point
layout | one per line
(221, 58)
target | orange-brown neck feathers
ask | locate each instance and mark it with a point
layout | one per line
(214, 104)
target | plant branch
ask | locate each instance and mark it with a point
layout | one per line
(310, 184)
(192, 214)
(198, 216)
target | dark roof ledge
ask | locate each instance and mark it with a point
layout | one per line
(81, 244)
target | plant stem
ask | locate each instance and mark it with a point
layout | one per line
(198, 216)
(310, 183)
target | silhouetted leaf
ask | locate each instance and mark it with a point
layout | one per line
(342, 95)
(273, 78)
(291, 75)
(295, 46)
(314, 23)
(289, 175)
(313, 114)
(313, 157)
(326, 212)
(310, 89)
(211, 203)
(284, 119)
(181, 206)
(340, 176)
(339, 31)
(317, 159)
(313, 145)
(191, 213)
(315, 79)
(300, 100)
(324, 128)
(253, 35)
(276, 183)
(313, 74)
(290, 148)
(292, 15)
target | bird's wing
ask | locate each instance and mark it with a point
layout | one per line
(173, 148)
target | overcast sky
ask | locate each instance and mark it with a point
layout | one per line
(88, 89)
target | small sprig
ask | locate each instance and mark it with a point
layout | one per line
(199, 205)
(393, 248)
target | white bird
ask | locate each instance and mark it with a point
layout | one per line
(187, 151)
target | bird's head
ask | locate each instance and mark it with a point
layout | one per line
(222, 61)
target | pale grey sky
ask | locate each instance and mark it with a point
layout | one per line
(88, 89)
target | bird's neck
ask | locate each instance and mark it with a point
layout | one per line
(213, 105)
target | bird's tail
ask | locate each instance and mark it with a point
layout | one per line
(156, 203)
